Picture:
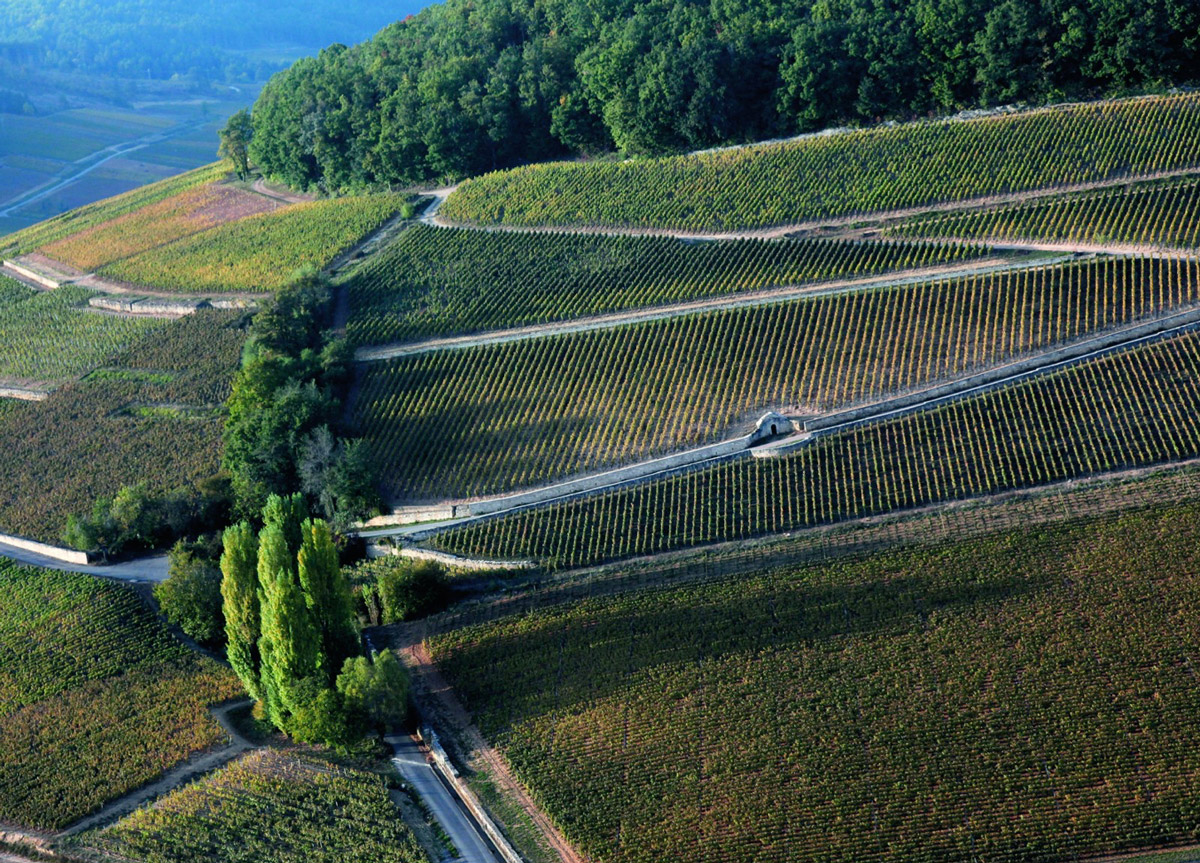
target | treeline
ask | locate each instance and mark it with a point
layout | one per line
(473, 85)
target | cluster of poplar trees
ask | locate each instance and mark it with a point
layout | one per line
(293, 635)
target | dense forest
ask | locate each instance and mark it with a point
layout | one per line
(204, 40)
(472, 85)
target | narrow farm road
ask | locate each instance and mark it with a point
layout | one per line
(152, 568)
(417, 772)
(727, 301)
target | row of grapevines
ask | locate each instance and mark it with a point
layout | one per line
(259, 253)
(1123, 410)
(181, 215)
(269, 806)
(439, 281)
(84, 442)
(72, 222)
(1150, 214)
(840, 175)
(500, 417)
(1027, 696)
(52, 336)
(96, 697)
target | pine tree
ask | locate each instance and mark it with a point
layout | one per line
(239, 593)
(327, 595)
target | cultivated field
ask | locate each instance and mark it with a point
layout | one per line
(259, 253)
(50, 337)
(170, 219)
(1027, 697)
(277, 806)
(96, 698)
(497, 418)
(32, 238)
(1126, 409)
(91, 437)
(436, 282)
(1154, 214)
(832, 176)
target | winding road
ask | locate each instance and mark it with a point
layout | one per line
(142, 569)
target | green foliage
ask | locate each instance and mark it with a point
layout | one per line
(1151, 214)
(468, 87)
(406, 589)
(240, 605)
(290, 620)
(285, 807)
(375, 689)
(485, 420)
(1123, 410)
(136, 518)
(973, 700)
(191, 595)
(235, 142)
(435, 282)
(89, 677)
(258, 254)
(840, 175)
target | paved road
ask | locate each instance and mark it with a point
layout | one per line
(142, 569)
(444, 806)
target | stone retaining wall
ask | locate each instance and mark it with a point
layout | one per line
(66, 555)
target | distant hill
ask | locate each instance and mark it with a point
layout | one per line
(158, 39)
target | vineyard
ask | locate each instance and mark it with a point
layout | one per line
(52, 336)
(1152, 214)
(92, 215)
(96, 698)
(1123, 410)
(181, 215)
(258, 253)
(1027, 696)
(83, 443)
(833, 176)
(433, 282)
(277, 806)
(501, 417)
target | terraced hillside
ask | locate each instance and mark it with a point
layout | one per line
(91, 679)
(840, 175)
(438, 282)
(502, 417)
(1127, 409)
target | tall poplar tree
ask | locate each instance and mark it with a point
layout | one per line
(327, 595)
(239, 594)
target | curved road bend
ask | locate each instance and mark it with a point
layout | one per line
(152, 568)
(417, 772)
